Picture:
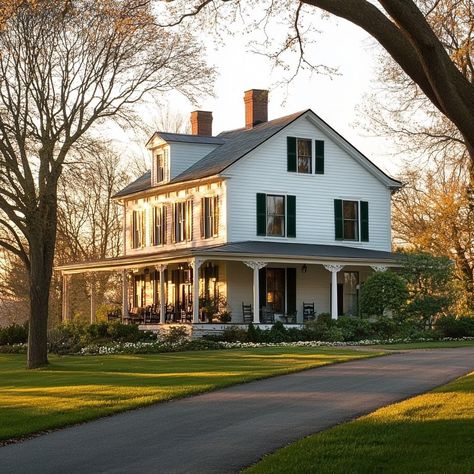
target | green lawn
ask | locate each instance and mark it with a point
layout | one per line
(426, 345)
(79, 388)
(431, 433)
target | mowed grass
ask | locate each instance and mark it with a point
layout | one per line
(425, 345)
(431, 433)
(74, 389)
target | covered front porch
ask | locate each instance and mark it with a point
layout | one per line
(286, 282)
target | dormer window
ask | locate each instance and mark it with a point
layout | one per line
(160, 166)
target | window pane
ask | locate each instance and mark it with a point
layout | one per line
(304, 147)
(350, 230)
(275, 205)
(304, 164)
(275, 225)
(350, 209)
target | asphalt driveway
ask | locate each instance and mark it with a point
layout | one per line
(226, 430)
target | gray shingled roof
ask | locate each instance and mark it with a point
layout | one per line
(294, 249)
(185, 138)
(141, 184)
(232, 145)
(237, 144)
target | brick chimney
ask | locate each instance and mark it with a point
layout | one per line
(256, 107)
(201, 123)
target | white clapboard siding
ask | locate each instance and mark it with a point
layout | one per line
(184, 155)
(194, 193)
(265, 171)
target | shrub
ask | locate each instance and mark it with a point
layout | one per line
(99, 330)
(233, 334)
(383, 291)
(355, 329)
(255, 334)
(128, 333)
(175, 335)
(449, 326)
(14, 334)
(68, 338)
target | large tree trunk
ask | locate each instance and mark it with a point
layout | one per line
(42, 243)
(38, 321)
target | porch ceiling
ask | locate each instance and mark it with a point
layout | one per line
(262, 250)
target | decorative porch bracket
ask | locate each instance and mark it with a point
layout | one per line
(161, 270)
(256, 266)
(334, 269)
(195, 264)
(379, 268)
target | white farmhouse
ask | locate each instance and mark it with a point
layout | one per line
(277, 220)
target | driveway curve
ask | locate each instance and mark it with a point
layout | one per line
(226, 430)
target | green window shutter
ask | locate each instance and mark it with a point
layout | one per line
(338, 221)
(291, 289)
(319, 168)
(364, 221)
(261, 214)
(291, 216)
(291, 153)
(203, 217)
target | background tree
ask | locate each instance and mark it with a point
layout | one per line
(422, 49)
(63, 71)
(429, 280)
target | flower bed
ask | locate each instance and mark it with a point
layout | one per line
(156, 347)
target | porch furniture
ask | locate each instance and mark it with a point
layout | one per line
(135, 316)
(187, 314)
(151, 314)
(290, 317)
(169, 314)
(268, 316)
(248, 313)
(308, 312)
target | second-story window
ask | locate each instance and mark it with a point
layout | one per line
(275, 215)
(209, 217)
(159, 225)
(138, 229)
(183, 221)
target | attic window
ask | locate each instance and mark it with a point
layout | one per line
(160, 167)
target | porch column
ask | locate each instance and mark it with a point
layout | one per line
(161, 269)
(93, 289)
(379, 268)
(334, 269)
(195, 264)
(65, 313)
(124, 294)
(256, 266)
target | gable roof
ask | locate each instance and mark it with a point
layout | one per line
(235, 144)
(185, 138)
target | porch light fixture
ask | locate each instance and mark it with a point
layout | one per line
(304, 268)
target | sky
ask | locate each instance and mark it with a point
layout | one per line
(335, 99)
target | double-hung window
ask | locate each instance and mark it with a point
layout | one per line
(161, 165)
(183, 221)
(351, 220)
(209, 217)
(275, 215)
(304, 149)
(159, 225)
(138, 229)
